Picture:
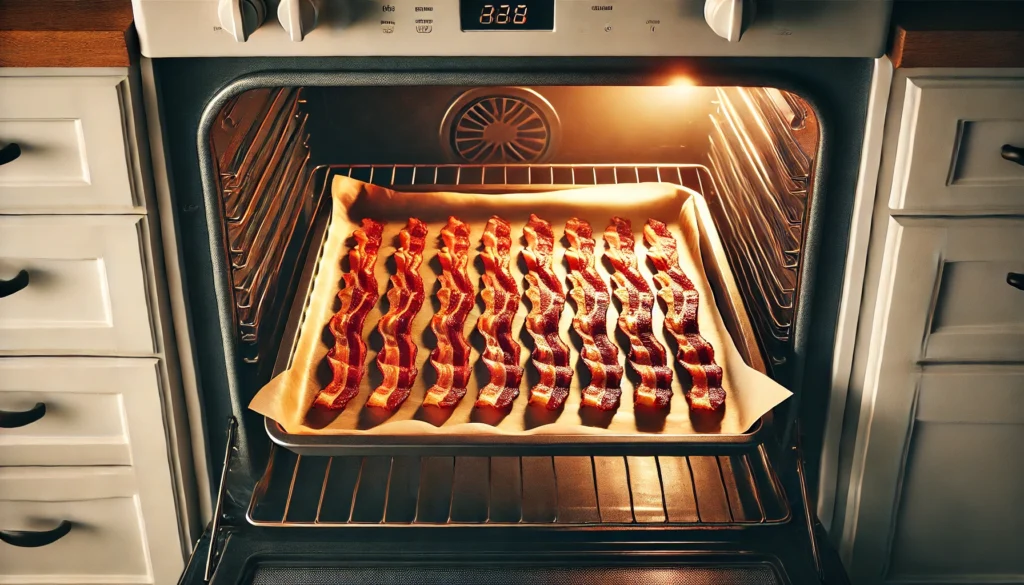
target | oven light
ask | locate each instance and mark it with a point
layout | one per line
(681, 84)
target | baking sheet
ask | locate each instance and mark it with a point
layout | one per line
(287, 398)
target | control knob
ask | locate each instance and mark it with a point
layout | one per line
(298, 17)
(240, 17)
(729, 18)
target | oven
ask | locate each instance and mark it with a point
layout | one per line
(761, 114)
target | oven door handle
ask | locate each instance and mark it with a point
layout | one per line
(1013, 153)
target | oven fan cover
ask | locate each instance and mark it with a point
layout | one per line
(500, 125)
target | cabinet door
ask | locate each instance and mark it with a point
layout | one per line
(943, 297)
(949, 154)
(118, 532)
(73, 148)
(86, 292)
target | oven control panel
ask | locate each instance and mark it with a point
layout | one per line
(826, 28)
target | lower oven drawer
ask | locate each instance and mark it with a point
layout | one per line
(104, 542)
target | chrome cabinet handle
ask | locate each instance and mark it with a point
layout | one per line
(1015, 279)
(1013, 153)
(13, 419)
(9, 153)
(9, 287)
(34, 538)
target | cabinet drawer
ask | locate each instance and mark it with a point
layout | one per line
(105, 543)
(92, 407)
(86, 290)
(955, 273)
(73, 153)
(951, 137)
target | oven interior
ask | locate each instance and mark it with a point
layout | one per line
(750, 151)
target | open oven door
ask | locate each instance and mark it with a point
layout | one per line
(241, 546)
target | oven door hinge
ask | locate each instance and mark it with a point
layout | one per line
(216, 525)
(810, 517)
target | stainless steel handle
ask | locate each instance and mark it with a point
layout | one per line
(1013, 153)
(9, 287)
(1015, 279)
(34, 538)
(9, 153)
(14, 419)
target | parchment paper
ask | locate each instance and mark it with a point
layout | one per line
(287, 398)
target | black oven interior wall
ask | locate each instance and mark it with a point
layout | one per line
(760, 146)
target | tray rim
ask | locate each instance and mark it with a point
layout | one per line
(437, 444)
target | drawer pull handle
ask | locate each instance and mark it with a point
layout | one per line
(9, 287)
(32, 538)
(9, 153)
(13, 420)
(1015, 279)
(1013, 153)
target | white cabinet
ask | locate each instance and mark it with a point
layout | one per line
(73, 145)
(109, 539)
(90, 445)
(936, 475)
(86, 290)
(949, 154)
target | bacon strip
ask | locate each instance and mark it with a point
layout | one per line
(501, 300)
(457, 295)
(646, 354)
(682, 301)
(397, 360)
(358, 297)
(547, 299)
(591, 322)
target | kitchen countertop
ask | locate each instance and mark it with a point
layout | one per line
(978, 33)
(66, 33)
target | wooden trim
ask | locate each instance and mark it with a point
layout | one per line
(981, 33)
(66, 33)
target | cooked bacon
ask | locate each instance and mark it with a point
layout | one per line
(397, 359)
(501, 300)
(682, 301)
(547, 299)
(646, 354)
(457, 295)
(591, 322)
(358, 297)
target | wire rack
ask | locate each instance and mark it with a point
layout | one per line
(521, 177)
(539, 492)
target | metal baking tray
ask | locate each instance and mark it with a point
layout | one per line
(726, 292)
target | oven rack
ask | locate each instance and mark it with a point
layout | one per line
(559, 492)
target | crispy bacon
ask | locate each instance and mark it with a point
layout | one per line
(397, 359)
(501, 300)
(591, 322)
(547, 299)
(358, 297)
(646, 354)
(682, 301)
(457, 295)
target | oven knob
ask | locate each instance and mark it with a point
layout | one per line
(240, 17)
(298, 17)
(729, 18)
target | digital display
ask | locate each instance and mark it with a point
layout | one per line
(511, 15)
